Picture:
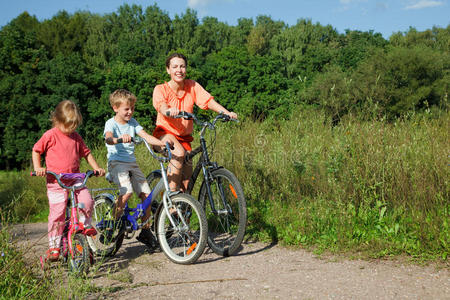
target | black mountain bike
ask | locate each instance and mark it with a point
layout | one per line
(220, 194)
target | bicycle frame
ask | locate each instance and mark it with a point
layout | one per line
(132, 215)
(204, 164)
(167, 202)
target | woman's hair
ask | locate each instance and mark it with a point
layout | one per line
(67, 114)
(179, 55)
(120, 96)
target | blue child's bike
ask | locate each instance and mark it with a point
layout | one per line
(179, 222)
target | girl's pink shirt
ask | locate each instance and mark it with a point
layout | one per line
(194, 93)
(62, 152)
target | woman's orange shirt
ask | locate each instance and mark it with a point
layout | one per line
(194, 93)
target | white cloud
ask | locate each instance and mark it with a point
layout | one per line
(203, 3)
(197, 3)
(424, 4)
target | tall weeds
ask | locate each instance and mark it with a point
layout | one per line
(375, 186)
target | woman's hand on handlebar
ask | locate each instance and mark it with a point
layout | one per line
(232, 115)
(172, 112)
(40, 172)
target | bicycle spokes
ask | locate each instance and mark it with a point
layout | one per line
(225, 211)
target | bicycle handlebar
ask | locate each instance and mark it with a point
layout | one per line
(120, 140)
(166, 149)
(159, 158)
(190, 116)
(84, 176)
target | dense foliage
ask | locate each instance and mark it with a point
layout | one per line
(260, 68)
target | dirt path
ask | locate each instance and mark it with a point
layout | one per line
(259, 271)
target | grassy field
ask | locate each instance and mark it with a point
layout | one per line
(375, 188)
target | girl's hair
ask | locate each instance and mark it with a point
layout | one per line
(121, 95)
(179, 55)
(67, 114)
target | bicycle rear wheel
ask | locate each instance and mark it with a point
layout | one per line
(79, 263)
(185, 242)
(109, 236)
(227, 221)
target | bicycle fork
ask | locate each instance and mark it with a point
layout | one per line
(74, 225)
(208, 180)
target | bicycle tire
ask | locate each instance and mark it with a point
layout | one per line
(183, 245)
(80, 261)
(225, 230)
(108, 239)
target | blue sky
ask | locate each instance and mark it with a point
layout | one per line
(384, 16)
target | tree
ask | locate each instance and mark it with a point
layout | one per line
(260, 36)
(100, 46)
(436, 38)
(64, 34)
(20, 62)
(157, 34)
(209, 37)
(184, 29)
(305, 48)
(356, 46)
(239, 33)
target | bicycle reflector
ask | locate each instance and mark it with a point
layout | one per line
(191, 248)
(233, 191)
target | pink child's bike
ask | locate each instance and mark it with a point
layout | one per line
(75, 250)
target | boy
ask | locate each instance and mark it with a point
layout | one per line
(121, 158)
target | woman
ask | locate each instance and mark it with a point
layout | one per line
(180, 94)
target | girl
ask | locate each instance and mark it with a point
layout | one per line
(180, 94)
(63, 148)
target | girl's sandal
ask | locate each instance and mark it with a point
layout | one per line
(89, 231)
(53, 254)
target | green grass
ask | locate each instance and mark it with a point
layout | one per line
(22, 278)
(375, 188)
(17, 280)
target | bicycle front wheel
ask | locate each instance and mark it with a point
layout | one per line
(226, 212)
(79, 262)
(185, 242)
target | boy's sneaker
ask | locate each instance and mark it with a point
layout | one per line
(146, 237)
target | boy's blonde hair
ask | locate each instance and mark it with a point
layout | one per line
(120, 96)
(67, 114)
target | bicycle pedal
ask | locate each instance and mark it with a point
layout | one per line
(128, 229)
